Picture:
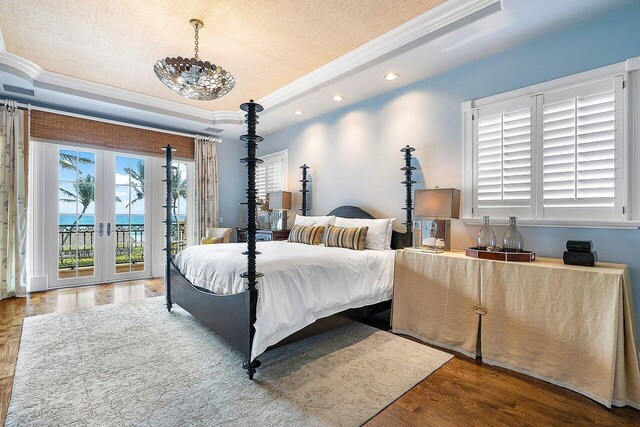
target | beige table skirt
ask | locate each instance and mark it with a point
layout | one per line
(433, 299)
(571, 326)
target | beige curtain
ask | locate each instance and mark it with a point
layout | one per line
(13, 199)
(206, 169)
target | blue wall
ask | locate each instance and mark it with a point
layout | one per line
(427, 115)
(231, 182)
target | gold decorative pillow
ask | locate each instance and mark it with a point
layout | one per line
(211, 240)
(306, 234)
(345, 237)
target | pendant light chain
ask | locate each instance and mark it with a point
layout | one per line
(196, 42)
(191, 77)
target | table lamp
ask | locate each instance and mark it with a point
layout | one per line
(279, 203)
(440, 204)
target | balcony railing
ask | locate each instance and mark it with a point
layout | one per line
(77, 243)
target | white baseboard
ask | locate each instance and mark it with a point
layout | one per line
(38, 284)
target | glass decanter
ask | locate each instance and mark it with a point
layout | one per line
(486, 238)
(512, 240)
(417, 234)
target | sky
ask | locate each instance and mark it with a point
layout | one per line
(125, 184)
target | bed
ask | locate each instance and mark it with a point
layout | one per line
(301, 290)
(301, 283)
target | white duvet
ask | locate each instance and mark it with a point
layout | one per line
(301, 282)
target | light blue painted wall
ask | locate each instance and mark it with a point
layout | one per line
(354, 152)
(231, 182)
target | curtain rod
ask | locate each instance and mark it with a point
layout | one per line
(50, 109)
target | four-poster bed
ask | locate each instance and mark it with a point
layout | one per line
(232, 311)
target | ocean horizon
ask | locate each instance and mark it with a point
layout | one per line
(69, 219)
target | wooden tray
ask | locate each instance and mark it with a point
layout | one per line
(524, 256)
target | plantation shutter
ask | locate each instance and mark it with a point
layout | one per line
(503, 135)
(271, 175)
(261, 180)
(582, 150)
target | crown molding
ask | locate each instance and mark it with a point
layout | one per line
(439, 17)
(19, 66)
(43, 79)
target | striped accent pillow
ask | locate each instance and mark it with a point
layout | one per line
(306, 234)
(345, 237)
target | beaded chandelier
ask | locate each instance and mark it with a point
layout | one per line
(193, 78)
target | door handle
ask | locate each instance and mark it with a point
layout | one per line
(108, 229)
(101, 229)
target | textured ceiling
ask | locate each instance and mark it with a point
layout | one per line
(264, 44)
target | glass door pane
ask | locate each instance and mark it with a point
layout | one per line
(129, 214)
(179, 208)
(76, 213)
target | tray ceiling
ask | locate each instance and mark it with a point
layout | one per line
(264, 44)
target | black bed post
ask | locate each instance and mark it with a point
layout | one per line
(408, 182)
(251, 275)
(168, 176)
(304, 191)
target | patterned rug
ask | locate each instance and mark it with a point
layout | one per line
(134, 364)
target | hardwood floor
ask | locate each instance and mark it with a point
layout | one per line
(463, 392)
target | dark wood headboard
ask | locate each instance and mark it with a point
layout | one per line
(351, 212)
(398, 240)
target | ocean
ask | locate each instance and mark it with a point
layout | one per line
(120, 219)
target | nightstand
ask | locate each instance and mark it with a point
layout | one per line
(263, 235)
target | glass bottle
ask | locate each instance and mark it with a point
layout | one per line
(417, 234)
(512, 240)
(486, 237)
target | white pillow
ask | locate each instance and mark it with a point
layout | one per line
(379, 234)
(314, 220)
(387, 244)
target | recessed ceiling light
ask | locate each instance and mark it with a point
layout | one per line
(298, 113)
(338, 98)
(391, 76)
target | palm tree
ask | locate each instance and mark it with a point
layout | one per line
(179, 190)
(179, 185)
(137, 174)
(71, 162)
(84, 194)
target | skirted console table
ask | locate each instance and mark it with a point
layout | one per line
(571, 326)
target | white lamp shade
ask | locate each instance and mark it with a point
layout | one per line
(279, 200)
(437, 203)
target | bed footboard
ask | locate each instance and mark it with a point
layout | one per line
(227, 315)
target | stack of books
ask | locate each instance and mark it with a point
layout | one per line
(579, 252)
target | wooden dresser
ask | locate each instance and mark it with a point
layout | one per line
(263, 235)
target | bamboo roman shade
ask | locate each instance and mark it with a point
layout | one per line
(68, 129)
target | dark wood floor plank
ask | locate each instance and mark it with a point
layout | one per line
(464, 392)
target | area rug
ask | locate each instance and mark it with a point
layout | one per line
(134, 364)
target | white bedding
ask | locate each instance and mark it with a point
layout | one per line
(301, 282)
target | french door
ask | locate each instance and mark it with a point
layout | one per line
(98, 209)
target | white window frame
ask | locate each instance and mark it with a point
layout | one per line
(282, 155)
(629, 71)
